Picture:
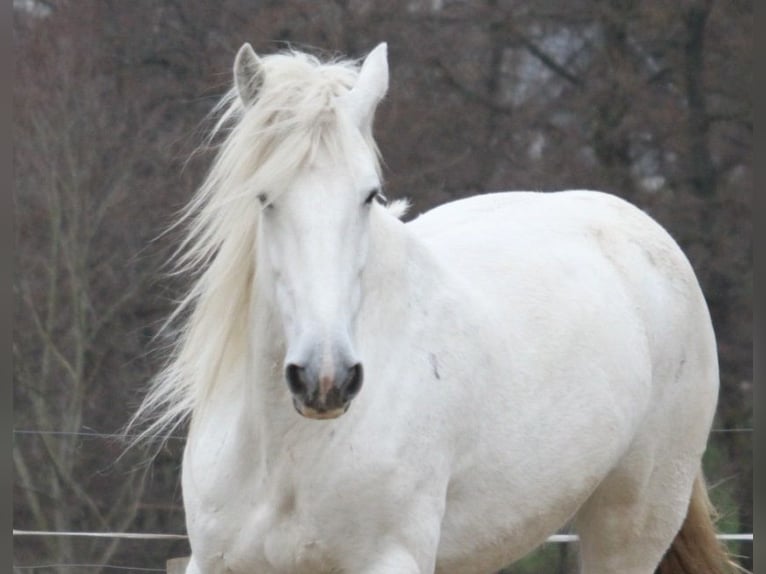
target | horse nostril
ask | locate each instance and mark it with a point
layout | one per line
(295, 379)
(353, 382)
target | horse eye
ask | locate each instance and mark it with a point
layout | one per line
(373, 194)
(376, 194)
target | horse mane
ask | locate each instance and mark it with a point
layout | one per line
(263, 144)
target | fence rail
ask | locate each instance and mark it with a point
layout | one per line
(133, 535)
(178, 565)
(744, 537)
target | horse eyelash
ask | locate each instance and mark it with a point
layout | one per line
(376, 194)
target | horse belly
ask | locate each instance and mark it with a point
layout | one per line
(483, 533)
(511, 499)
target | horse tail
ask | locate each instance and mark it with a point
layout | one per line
(696, 549)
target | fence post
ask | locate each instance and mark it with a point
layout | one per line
(177, 565)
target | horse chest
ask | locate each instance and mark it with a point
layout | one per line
(303, 514)
(283, 517)
(249, 533)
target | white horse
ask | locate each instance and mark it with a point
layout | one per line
(373, 397)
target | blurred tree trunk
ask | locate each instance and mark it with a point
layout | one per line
(702, 173)
(613, 97)
(497, 41)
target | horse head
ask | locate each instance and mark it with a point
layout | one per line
(314, 228)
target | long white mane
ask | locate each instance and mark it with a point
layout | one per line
(264, 143)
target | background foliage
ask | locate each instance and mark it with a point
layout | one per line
(648, 100)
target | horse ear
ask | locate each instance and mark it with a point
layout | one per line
(370, 87)
(247, 74)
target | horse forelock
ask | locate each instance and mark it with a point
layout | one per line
(263, 145)
(293, 115)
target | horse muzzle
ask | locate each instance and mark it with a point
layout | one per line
(323, 395)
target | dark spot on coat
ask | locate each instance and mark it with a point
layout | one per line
(434, 366)
(287, 503)
(650, 256)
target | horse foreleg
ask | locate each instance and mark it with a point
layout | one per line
(192, 568)
(393, 561)
(409, 550)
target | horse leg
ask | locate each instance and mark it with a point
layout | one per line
(392, 561)
(192, 568)
(410, 549)
(631, 519)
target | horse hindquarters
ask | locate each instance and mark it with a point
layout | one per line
(633, 538)
(655, 498)
(695, 547)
